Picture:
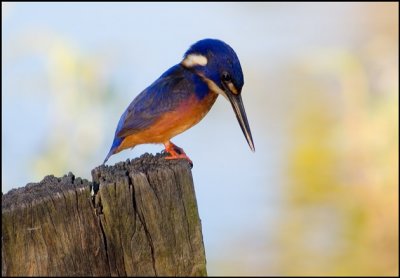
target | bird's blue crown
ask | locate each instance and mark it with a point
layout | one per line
(220, 58)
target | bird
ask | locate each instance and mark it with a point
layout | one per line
(181, 97)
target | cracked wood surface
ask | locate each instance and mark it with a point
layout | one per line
(142, 221)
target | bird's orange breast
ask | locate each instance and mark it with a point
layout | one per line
(187, 114)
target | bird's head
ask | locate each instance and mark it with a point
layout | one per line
(218, 66)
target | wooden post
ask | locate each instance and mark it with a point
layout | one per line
(142, 221)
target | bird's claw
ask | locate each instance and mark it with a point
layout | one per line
(176, 153)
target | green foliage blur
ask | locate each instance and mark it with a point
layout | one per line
(340, 208)
(342, 187)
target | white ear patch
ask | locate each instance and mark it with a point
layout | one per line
(194, 60)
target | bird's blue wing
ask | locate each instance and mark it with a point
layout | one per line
(164, 95)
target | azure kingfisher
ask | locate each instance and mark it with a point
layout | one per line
(181, 97)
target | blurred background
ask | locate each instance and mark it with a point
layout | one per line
(320, 194)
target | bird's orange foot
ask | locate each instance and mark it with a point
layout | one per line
(176, 152)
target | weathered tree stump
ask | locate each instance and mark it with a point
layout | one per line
(142, 221)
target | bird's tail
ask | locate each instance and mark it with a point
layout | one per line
(110, 153)
(117, 141)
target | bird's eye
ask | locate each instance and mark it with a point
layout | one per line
(226, 77)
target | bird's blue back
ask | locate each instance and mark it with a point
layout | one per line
(164, 95)
(182, 96)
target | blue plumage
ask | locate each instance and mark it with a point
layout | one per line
(221, 57)
(164, 95)
(181, 97)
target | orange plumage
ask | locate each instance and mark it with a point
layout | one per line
(172, 123)
(181, 97)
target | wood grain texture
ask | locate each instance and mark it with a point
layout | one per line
(142, 221)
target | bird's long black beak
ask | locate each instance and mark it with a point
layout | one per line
(238, 108)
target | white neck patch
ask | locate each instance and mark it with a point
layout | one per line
(214, 87)
(194, 60)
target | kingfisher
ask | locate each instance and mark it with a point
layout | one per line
(181, 97)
